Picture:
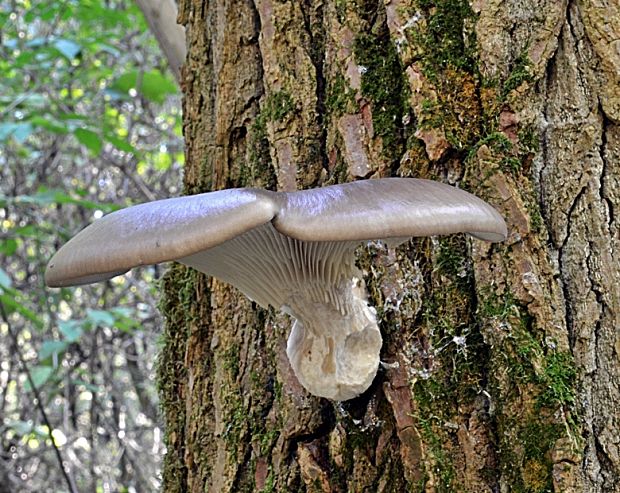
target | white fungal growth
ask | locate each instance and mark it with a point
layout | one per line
(291, 250)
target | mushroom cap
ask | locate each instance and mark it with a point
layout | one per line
(156, 232)
(175, 228)
(387, 208)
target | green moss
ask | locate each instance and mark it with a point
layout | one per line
(177, 307)
(341, 11)
(535, 215)
(431, 115)
(383, 84)
(340, 97)
(277, 106)
(520, 74)
(535, 395)
(558, 380)
(259, 171)
(231, 361)
(452, 261)
(495, 140)
(270, 483)
(454, 357)
(443, 45)
(277, 388)
(340, 173)
(536, 380)
(266, 440)
(529, 359)
(235, 419)
(529, 140)
(445, 39)
(526, 461)
(512, 158)
(443, 462)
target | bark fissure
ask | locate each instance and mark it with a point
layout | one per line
(315, 26)
(601, 305)
(605, 176)
(320, 433)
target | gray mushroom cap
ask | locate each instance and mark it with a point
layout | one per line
(157, 232)
(386, 208)
(175, 228)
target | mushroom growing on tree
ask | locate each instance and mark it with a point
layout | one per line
(291, 250)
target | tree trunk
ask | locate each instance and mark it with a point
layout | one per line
(507, 355)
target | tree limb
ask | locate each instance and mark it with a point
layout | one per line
(161, 17)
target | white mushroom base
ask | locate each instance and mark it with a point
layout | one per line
(334, 354)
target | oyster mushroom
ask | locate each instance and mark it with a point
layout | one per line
(291, 250)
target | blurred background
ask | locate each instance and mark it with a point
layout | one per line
(89, 122)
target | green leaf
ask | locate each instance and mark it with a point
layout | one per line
(72, 117)
(8, 247)
(106, 17)
(48, 348)
(48, 124)
(68, 48)
(125, 319)
(9, 300)
(162, 161)
(89, 386)
(120, 144)
(90, 139)
(71, 329)
(127, 325)
(5, 280)
(100, 318)
(152, 85)
(19, 131)
(29, 231)
(39, 375)
(156, 86)
(26, 100)
(122, 311)
(24, 58)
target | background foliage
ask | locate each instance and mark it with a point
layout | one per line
(89, 122)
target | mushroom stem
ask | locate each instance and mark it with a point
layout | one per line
(334, 346)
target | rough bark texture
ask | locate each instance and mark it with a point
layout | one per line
(507, 375)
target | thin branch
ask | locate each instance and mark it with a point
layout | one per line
(37, 397)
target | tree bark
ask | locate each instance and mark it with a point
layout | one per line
(503, 359)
